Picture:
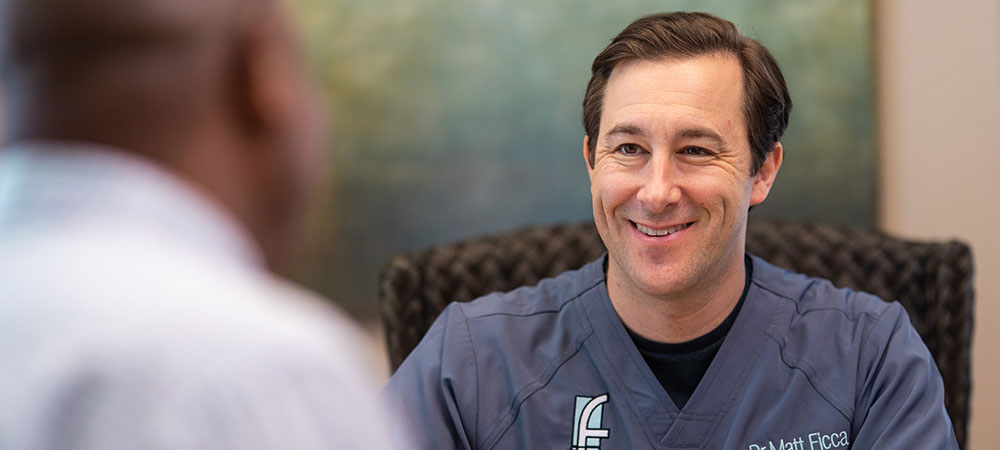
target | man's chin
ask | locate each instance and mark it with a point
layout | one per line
(661, 289)
(659, 281)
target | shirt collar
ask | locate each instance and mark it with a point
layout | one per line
(69, 183)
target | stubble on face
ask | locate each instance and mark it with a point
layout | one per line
(671, 184)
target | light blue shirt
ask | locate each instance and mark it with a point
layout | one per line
(136, 314)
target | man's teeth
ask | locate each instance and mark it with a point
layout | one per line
(651, 232)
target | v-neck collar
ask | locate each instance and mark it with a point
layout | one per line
(629, 375)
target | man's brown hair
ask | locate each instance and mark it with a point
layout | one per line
(766, 103)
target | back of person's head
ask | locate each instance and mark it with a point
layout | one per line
(685, 35)
(215, 90)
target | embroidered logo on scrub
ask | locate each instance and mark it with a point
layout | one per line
(816, 441)
(587, 418)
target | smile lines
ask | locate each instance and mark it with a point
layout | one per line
(653, 232)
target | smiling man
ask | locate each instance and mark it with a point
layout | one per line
(677, 338)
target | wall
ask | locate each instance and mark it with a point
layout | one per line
(459, 118)
(939, 124)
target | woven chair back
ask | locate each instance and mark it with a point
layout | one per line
(932, 280)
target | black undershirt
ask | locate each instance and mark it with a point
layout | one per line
(680, 367)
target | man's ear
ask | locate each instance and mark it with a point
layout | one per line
(586, 154)
(764, 179)
(262, 73)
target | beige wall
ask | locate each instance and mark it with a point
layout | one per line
(939, 123)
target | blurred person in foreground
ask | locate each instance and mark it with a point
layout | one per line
(677, 338)
(156, 159)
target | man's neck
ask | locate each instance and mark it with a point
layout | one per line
(681, 316)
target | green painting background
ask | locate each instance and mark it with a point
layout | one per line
(457, 118)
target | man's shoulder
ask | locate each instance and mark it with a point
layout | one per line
(550, 295)
(122, 296)
(495, 352)
(160, 334)
(831, 334)
(858, 351)
(818, 324)
(811, 295)
(520, 333)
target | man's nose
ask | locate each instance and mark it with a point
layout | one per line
(661, 184)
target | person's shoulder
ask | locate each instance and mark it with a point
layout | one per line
(518, 333)
(818, 325)
(811, 295)
(549, 296)
(124, 296)
(827, 333)
(256, 321)
(492, 353)
(157, 335)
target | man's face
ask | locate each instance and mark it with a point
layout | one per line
(671, 182)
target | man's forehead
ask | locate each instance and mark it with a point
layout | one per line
(707, 87)
(704, 80)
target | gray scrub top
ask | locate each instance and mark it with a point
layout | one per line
(806, 366)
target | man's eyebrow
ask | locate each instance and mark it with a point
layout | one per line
(625, 129)
(702, 133)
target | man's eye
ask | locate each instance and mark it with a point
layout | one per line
(628, 149)
(695, 151)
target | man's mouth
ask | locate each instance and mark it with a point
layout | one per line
(660, 232)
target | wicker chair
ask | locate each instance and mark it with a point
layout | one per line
(932, 280)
